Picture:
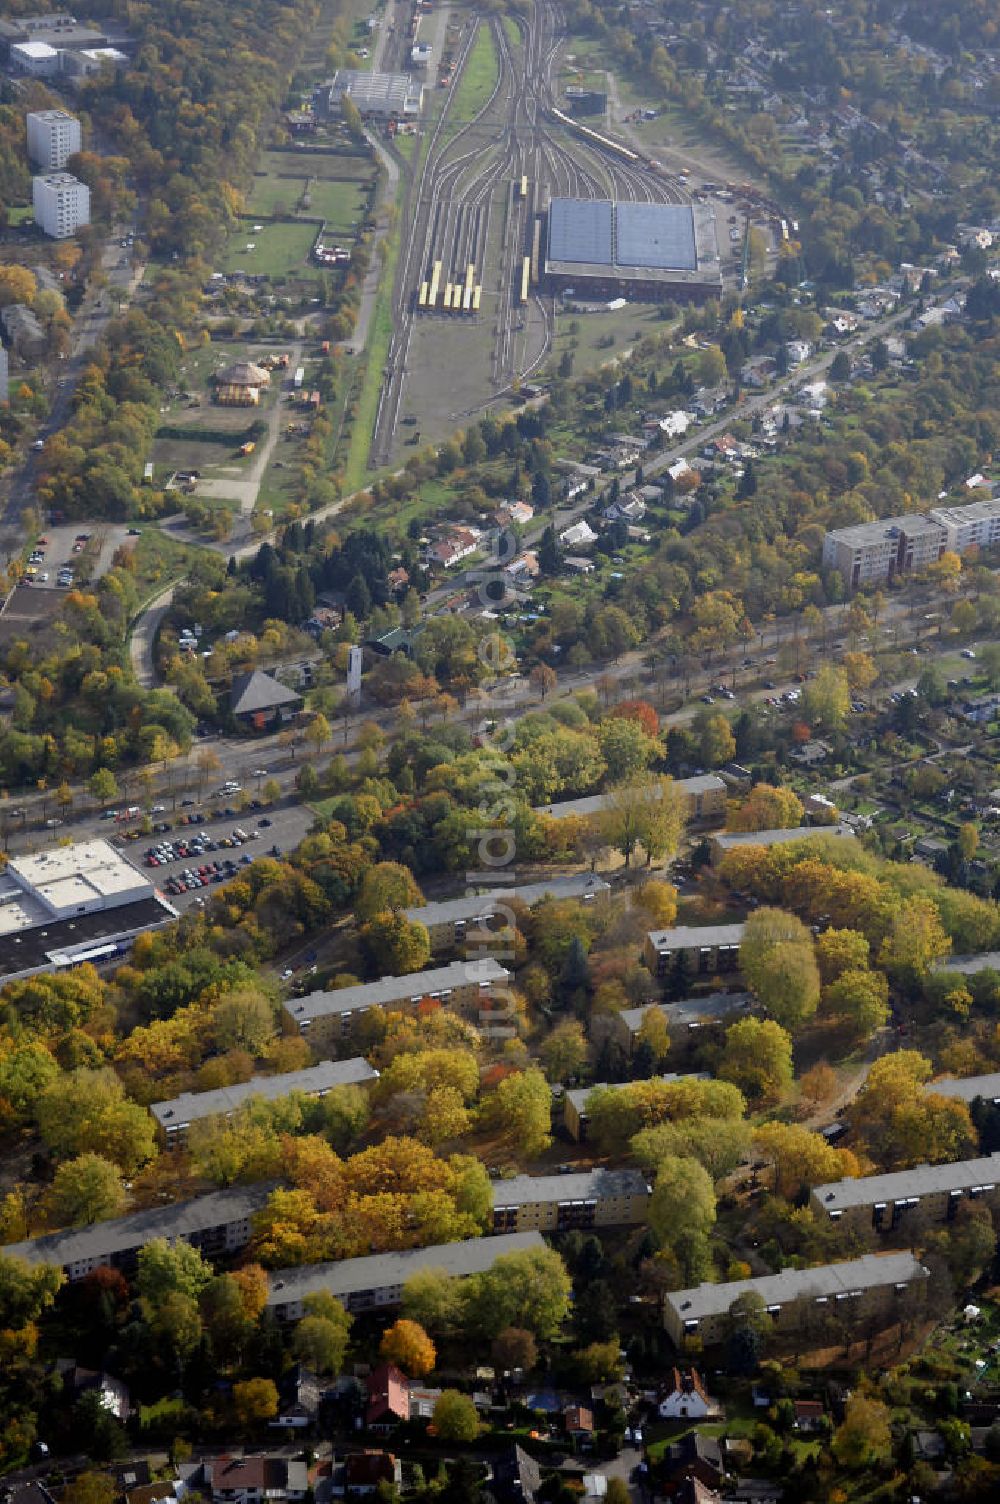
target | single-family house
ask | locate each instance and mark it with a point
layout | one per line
(300, 1395)
(260, 1479)
(257, 700)
(580, 535)
(686, 1398)
(697, 1456)
(388, 1398)
(810, 1416)
(365, 1473)
(578, 1422)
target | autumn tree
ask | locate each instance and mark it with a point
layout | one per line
(530, 1290)
(838, 951)
(860, 670)
(718, 1144)
(564, 1052)
(254, 1402)
(757, 1058)
(653, 1037)
(85, 1190)
(858, 999)
(903, 1124)
(395, 945)
(17, 285)
(26, 1290)
(777, 959)
(521, 1107)
(682, 1213)
(864, 1436)
(514, 1349)
(915, 941)
(386, 887)
(658, 901)
(454, 1417)
(650, 811)
(407, 1345)
(716, 741)
(767, 807)
(827, 699)
(86, 1111)
(320, 1338)
(801, 1157)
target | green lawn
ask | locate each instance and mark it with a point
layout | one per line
(280, 195)
(478, 79)
(279, 249)
(379, 335)
(342, 205)
(334, 166)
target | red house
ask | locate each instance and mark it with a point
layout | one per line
(388, 1397)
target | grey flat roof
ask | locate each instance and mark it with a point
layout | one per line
(374, 91)
(690, 1010)
(579, 1095)
(656, 235)
(866, 1273)
(898, 1185)
(382, 1271)
(314, 1080)
(124, 1233)
(729, 839)
(690, 937)
(967, 1088)
(581, 230)
(597, 232)
(396, 989)
(592, 804)
(588, 1185)
(480, 905)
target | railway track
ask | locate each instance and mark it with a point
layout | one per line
(468, 180)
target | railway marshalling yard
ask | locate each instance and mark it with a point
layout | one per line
(476, 232)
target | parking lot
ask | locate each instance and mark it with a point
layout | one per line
(203, 846)
(62, 555)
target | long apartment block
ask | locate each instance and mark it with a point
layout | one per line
(884, 1202)
(376, 1281)
(175, 1116)
(556, 1203)
(218, 1224)
(876, 1285)
(328, 1017)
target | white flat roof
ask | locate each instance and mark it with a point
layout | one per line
(67, 876)
(35, 49)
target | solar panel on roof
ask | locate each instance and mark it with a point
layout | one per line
(580, 230)
(660, 235)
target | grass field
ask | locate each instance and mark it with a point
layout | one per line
(478, 79)
(379, 335)
(334, 166)
(342, 205)
(279, 249)
(339, 202)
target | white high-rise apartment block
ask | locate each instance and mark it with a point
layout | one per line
(62, 204)
(974, 526)
(53, 137)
